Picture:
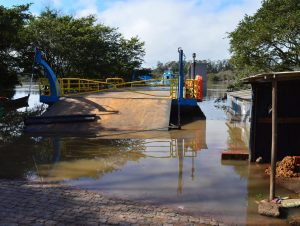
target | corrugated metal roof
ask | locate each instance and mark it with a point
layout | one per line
(268, 77)
(241, 94)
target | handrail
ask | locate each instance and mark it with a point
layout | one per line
(114, 80)
(78, 86)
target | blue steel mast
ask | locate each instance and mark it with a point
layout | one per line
(53, 81)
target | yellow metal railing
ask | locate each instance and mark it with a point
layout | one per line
(171, 83)
(114, 80)
(73, 86)
(161, 148)
(77, 86)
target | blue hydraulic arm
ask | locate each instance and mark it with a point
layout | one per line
(183, 101)
(53, 81)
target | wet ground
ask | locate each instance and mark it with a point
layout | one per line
(181, 169)
(40, 203)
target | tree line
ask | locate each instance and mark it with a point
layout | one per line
(211, 66)
(269, 40)
(72, 46)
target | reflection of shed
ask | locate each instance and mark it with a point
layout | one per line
(240, 103)
(286, 124)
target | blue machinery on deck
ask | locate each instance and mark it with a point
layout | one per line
(181, 100)
(183, 109)
(53, 81)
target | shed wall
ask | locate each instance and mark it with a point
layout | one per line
(288, 120)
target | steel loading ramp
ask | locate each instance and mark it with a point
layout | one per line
(117, 111)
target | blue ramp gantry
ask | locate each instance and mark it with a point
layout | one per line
(53, 81)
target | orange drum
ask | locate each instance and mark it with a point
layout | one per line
(200, 87)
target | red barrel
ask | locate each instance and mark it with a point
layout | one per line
(200, 87)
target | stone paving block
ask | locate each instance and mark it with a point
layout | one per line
(53, 204)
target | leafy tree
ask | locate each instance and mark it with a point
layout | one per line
(268, 40)
(80, 47)
(218, 66)
(12, 22)
(171, 65)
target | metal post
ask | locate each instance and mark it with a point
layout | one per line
(274, 139)
(180, 86)
(194, 67)
(194, 73)
(181, 76)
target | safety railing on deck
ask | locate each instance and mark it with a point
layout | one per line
(77, 86)
(73, 86)
(143, 87)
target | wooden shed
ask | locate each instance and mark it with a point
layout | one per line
(282, 89)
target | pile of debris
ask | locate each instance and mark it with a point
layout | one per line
(288, 167)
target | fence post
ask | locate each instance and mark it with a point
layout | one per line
(274, 139)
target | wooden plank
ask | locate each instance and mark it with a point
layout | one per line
(234, 155)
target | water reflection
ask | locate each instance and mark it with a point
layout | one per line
(74, 158)
(24, 90)
(238, 136)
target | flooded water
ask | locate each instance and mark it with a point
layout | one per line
(178, 168)
(24, 90)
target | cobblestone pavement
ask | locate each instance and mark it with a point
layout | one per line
(34, 203)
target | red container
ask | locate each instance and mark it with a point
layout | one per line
(200, 87)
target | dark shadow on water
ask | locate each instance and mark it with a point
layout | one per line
(188, 114)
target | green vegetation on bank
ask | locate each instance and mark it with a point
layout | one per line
(267, 41)
(72, 46)
(12, 23)
(220, 70)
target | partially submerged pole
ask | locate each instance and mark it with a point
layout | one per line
(274, 139)
(181, 75)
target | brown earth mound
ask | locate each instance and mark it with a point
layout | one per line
(288, 167)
